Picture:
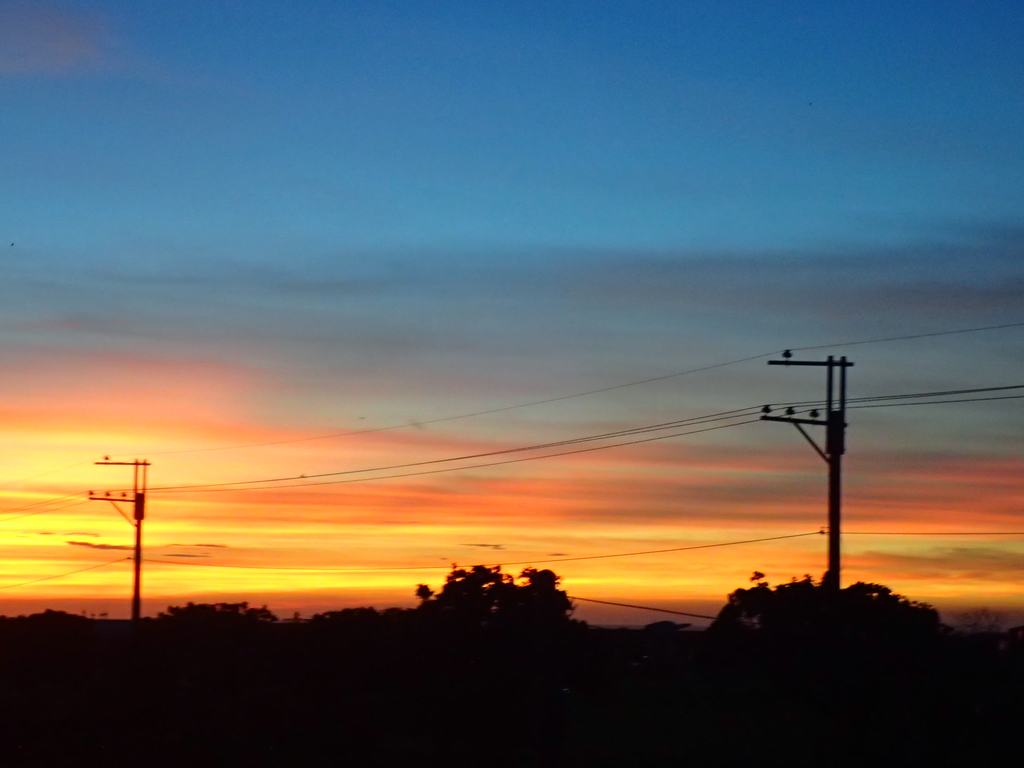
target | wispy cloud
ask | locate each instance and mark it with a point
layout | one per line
(983, 563)
(466, 302)
(969, 270)
(93, 545)
(39, 39)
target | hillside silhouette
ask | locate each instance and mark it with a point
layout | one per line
(493, 671)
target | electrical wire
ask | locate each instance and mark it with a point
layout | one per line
(884, 401)
(264, 484)
(502, 564)
(876, 401)
(652, 379)
(42, 474)
(671, 549)
(62, 575)
(912, 336)
(933, 533)
(641, 607)
(940, 393)
(186, 489)
(443, 567)
(539, 562)
(43, 511)
(488, 411)
(721, 416)
(39, 504)
(939, 402)
(902, 396)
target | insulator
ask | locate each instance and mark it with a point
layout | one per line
(790, 411)
(814, 414)
(787, 354)
(766, 409)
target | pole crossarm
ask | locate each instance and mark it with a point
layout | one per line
(819, 363)
(791, 420)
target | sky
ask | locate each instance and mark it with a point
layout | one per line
(232, 232)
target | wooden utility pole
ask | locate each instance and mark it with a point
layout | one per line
(138, 500)
(835, 446)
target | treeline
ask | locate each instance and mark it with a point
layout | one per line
(493, 671)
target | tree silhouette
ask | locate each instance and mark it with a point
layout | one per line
(221, 625)
(803, 605)
(198, 613)
(802, 622)
(491, 670)
(484, 596)
(496, 638)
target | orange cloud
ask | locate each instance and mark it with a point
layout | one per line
(63, 402)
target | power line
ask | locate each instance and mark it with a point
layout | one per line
(445, 567)
(652, 379)
(796, 402)
(587, 557)
(863, 533)
(642, 607)
(934, 533)
(724, 415)
(501, 409)
(907, 338)
(39, 504)
(902, 396)
(865, 402)
(43, 511)
(941, 402)
(43, 474)
(204, 489)
(62, 575)
(502, 564)
(883, 401)
(939, 393)
(672, 549)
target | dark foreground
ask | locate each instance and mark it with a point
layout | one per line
(492, 683)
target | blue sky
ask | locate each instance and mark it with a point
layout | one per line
(370, 211)
(263, 127)
(388, 150)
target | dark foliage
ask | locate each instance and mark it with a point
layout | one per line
(492, 671)
(211, 615)
(802, 620)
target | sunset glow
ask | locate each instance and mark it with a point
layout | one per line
(348, 237)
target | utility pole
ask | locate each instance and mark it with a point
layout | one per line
(138, 500)
(835, 447)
